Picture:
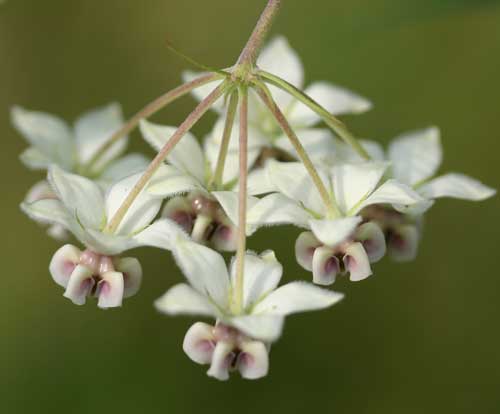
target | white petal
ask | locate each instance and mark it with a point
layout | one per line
(41, 190)
(221, 361)
(110, 290)
(183, 299)
(352, 183)
(94, 128)
(416, 155)
(318, 143)
(333, 232)
(259, 183)
(199, 343)
(187, 155)
(305, 246)
(63, 264)
(229, 203)
(262, 275)
(202, 92)
(47, 211)
(253, 360)
(456, 186)
(391, 192)
(205, 269)
(169, 181)
(293, 181)
(403, 243)
(326, 266)
(131, 270)
(123, 167)
(80, 285)
(142, 211)
(49, 134)
(106, 243)
(356, 262)
(82, 197)
(34, 159)
(162, 234)
(335, 99)
(278, 58)
(267, 328)
(373, 240)
(297, 297)
(345, 153)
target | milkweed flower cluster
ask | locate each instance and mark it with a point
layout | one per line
(275, 156)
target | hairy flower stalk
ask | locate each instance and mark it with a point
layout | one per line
(188, 123)
(329, 201)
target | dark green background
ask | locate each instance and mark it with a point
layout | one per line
(420, 337)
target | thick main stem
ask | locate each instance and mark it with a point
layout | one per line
(184, 128)
(149, 110)
(329, 119)
(266, 97)
(242, 199)
(249, 54)
(226, 137)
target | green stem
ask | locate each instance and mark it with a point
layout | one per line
(242, 200)
(149, 110)
(334, 123)
(249, 54)
(218, 177)
(268, 100)
(183, 129)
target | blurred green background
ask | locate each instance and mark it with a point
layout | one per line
(420, 337)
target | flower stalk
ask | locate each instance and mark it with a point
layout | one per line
(184, 128)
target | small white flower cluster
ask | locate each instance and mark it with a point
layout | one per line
(271, 164)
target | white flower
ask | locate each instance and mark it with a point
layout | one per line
(53, 142)
(355, 186)
(264, 132)
(81, 207)
(211, 290)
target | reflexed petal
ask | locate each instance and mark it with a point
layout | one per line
(205, 270)
(63, 264)
(123, 167)
(47, 211)
(229, 203)
(186, 156)
(403, 243)
(199, 343)
(263, 326)
(335, 99)
(95, 128)
(131, 270)
(293, 181)
(456, 186)
(221, 361)
(110, 290)
(142, 211)
(334, 232)
(373, 240)
(297, 297)
(262, 275)
(34, 159)
(183, 299)
(392, 192)
(49, 134)
(169, 181)
(202, 92)
(352, 183)
(253, 360)
(305, 246)
(80, 285)
(41, 190)
(326, 266)
(416, 155)
(318, 143)
(259, 183)
(280, 59)
(345, 153)
(162, 234)
(82, 197)
(356, 262)
(58, 232)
